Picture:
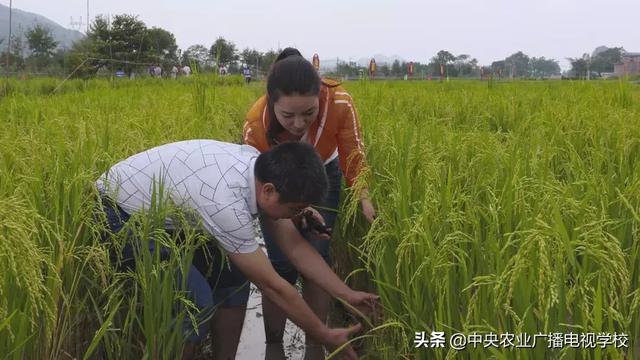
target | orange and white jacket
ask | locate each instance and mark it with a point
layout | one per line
(334, 133)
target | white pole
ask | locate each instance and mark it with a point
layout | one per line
(9, 44)
(88, 17)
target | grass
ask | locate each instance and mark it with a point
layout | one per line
(504, 208)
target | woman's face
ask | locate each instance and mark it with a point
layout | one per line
(296, 112)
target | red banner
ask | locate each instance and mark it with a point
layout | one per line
(372, 68)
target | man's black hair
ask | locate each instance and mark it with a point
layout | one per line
(296, 171)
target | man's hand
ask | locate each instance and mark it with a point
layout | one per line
(337, 337)
(310, 222)
(365, 303)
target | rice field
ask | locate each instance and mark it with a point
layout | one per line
(504, 207)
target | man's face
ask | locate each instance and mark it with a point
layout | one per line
(269, 203)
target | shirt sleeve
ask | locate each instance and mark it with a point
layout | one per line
(350, 144)
(232, 226)
(254, 132)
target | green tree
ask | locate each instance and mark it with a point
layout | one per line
(160, 46)
(603, 61)
(17, 46)
(465, 65)
(445, 59)
(268, 59)
(579, 67)
(114, 44)
(196, 54)
(97, 45)
(349, 69)
(40, 41)
(127, 41)
(123, 43)
(384, 70)
(251, 57)
(223, 51)
(499, 68)
(517, 65)
(14, 54)
(420, 70)
(396, 69)
(541, 67)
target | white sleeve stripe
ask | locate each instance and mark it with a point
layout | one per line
(323, 121)
(355, 127)
(264, 118)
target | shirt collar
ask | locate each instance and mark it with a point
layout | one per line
(253, 200)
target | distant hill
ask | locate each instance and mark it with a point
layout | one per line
(380, 60)
(22, 21)
(330, 64)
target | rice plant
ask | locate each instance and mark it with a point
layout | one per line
(508, 207)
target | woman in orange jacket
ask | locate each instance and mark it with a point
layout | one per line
(300, 106)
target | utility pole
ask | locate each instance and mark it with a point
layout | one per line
(9, 44)
(76, 25)
(588, 59)
(87, 17)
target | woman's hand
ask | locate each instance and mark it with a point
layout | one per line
(368, 210)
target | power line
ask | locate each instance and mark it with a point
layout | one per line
(95, 59)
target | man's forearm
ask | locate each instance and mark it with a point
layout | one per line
(259, 271)
(306, 259)
(287, 298)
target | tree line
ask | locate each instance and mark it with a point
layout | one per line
(126, 43)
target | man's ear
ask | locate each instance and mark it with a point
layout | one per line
(269, 190)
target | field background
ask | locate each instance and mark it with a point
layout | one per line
(503, 207)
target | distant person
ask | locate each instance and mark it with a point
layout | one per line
(246, 72)
(157, 71)
(222, 70)
(224, 187)
(174, 72)
(300, 106)
(186, 70)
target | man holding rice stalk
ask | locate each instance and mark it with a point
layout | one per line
(302, 107)
(223, 187)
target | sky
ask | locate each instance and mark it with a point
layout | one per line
(488, 30)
